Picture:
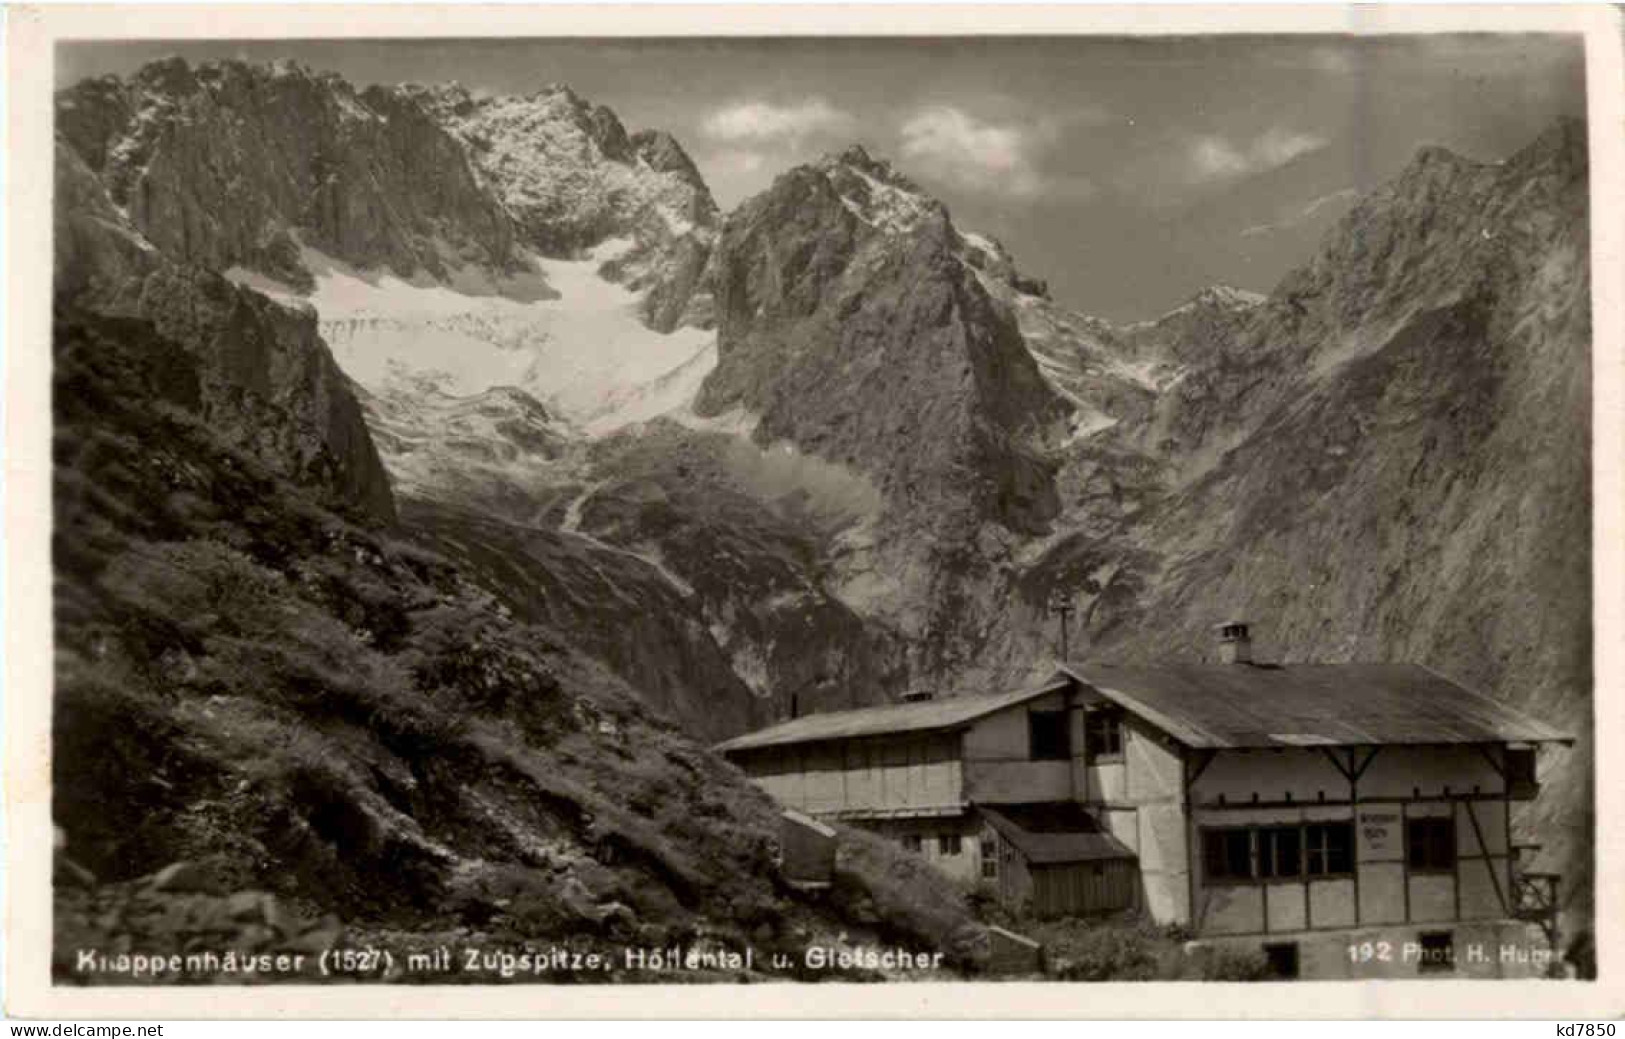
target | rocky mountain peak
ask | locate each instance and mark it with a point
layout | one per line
(857, 157)
(1227, 296)
(230, 164)
(664, 155)
(1562, 151)
(170, 75)
(1437, 155)
(877, 194)
(572, 178)
(851, 327)
(1219, 297)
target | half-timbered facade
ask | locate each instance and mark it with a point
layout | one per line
(1353, 820)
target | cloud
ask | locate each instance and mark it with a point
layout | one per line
(765, 123)
(957, 147)
(742, 143)
(1219, 158)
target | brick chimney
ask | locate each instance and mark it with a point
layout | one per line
(1235, 644)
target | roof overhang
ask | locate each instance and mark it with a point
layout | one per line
(929, 716)
(1194, 736)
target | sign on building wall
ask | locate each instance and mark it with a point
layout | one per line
(1379, 833)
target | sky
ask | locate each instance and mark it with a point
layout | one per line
(1128, 173)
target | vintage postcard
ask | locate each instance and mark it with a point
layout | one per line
(967, 507)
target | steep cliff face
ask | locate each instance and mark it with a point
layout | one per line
(851, 326)
(749, 532)
(850, 323)
(230, 164)
(267, 381)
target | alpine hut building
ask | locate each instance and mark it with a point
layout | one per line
(1319, 811)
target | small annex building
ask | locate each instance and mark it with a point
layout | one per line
(1304, 808)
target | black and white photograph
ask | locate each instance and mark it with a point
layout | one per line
(583, 510)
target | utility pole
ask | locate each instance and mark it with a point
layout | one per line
(817, 681)
(1061, 604)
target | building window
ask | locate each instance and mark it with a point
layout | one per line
(1438, 952)
(1329, 849)
(912, 842)
(948, 844)
(1280, 852)
(1283, 959)
(1048, 737)
(1283, 852)
(990, 859)
(1103, 734)
(1227, 854)
(1431, 845)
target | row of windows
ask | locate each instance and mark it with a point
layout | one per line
(1279, 852)
(952, 844)
(947, 843)
(1049, 738)
(1316, 850)
(855, 756)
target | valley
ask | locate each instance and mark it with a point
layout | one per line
(811, 453)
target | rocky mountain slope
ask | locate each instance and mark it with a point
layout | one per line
(230, 164)
(853, 326)
(258, 694)
(478, 375)
(267, 381)
(571, 177)
(1388, 459)
(831, 446)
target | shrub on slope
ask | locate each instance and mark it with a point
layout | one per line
(304, 704)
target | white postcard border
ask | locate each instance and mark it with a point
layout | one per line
(27, 152)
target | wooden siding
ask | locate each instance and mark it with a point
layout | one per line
(998, 764)
(907, 773)
(1012, 880)
(1439, 771)
(1153, 777)
(1082, 888)
(1397, 784)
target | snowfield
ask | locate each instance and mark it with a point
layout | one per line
(584, 353)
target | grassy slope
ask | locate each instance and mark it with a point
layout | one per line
(291, 697)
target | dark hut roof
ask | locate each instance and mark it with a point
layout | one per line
(1275, 705)
(1050, 832)
(1224, 705)
(895, 718)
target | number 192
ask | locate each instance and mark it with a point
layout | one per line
(1366, 952)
